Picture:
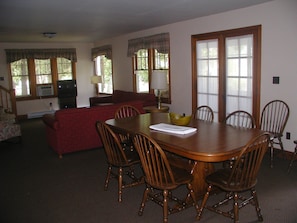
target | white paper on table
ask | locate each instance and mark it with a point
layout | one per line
(163, 127)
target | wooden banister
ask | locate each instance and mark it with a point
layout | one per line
(8, 100)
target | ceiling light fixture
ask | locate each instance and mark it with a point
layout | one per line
(49, 34)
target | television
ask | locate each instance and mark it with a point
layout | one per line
(66, 88)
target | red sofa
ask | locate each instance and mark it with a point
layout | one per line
(120, 96)
(73, 129)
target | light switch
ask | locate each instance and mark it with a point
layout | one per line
(275, 80)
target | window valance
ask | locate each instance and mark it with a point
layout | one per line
(102, 50)
(159, 42)
(13, 55)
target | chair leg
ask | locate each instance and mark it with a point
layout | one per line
(256, 202)
(271, 153)
(203, 203)
(280, 143)
(120, 184)
(235, 208)
(165, 206)
(293, 158)
(144, 199)
(107, 177)
(192, 194)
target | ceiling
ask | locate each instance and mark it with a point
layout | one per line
(91, 20)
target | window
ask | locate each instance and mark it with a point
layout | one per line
(148, 54)
(64, 69)
(43, 71)
(143, 69)
(103, 68)
(20, 77)
(32, 68)
(27, 74)
(161, 62)
(226, 71)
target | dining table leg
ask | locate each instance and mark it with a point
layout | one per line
(199, 171)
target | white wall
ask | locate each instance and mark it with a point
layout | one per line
(84, 71)
(279, 57)
(279, 54)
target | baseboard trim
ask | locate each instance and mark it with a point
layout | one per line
(39, 114)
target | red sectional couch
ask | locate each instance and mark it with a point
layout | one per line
(120, 96)
(73, 129)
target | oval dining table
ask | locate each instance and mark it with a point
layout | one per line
(211, 142)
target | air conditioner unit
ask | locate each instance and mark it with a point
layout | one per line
(45, 90)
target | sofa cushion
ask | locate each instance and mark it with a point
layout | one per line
(74, 129)
(119, 96)
(49, 120)
(6, 116)
(9, 130)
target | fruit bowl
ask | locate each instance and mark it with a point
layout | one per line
(178, 119)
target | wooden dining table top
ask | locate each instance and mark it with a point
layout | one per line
(212, 142)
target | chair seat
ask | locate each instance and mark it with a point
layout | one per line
(132, 156)
(274, 118)
(220, 179)
(162, 176)
(239, 178)
(181, 176)
(122, 158)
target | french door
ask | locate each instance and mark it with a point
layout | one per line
(226, 71)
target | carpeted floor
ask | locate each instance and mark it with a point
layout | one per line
(38, 187)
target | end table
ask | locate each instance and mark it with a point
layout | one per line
(151, 109)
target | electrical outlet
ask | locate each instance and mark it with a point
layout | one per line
(288, 135)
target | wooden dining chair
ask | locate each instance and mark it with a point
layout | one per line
(162, 178)
(240, 178)
(240, 118)
(124, 160)
(204, 113)
(274, 118)
(293, 157)
(126, 111)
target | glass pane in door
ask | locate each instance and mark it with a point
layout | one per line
(207, 74)
(239, 73)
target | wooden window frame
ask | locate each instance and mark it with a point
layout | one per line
(221, 36)
(95, 73)
(32, 79)
(151, 67)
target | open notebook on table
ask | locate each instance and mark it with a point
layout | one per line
(163, 127)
